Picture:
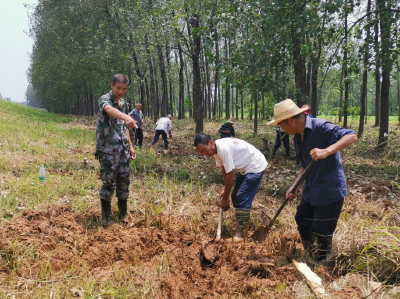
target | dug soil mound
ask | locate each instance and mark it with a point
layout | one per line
(198, 266)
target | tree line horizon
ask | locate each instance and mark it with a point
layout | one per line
(219, 59)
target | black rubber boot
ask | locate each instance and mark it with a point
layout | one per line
(307, 238)
(123, 210)
(324, 247)
(287, 153)
(106, 211)
(274, 151)
(242, 219)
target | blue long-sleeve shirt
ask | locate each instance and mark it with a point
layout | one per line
(326, 182)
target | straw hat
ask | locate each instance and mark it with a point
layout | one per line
(285, 110)
(231, 121)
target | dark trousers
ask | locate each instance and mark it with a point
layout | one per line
(322, 220)
(163, 135)
(245, 189)
(138, 133)
(278, 141)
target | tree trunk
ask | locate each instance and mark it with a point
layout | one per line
(377, 74)
(314, 89)
(398, 73)
(216, 84)
(365, 76)
(197, 96)
(188, 92)
(228, 86)
(237, 103)
(181, 113)
(346, 81)
(385, 21)
(255, 96)
(208, 88)
(308, 81)
(341, 96)
(241, 105)
(263, 105)
(299, 64)
(91, 104)
(164, 84)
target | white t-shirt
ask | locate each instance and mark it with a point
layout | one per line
(238, 155)
(165, 124)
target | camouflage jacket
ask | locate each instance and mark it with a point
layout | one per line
(111, 136)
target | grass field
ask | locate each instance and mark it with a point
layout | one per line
(53, 244)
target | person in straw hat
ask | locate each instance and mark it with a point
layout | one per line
(227, 129)
(325, 187)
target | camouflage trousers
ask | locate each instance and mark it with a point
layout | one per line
(114, 171)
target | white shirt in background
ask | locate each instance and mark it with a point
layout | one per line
(238, 155)
(165, 124)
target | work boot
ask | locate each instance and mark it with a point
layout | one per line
(308, 239)
(106, 211)
(274, 151)
(287, 153)
(324, 247)
(123, 210)
(242, 219)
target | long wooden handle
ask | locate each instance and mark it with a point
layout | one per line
(299, 182)
(219, 225)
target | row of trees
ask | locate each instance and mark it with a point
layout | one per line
(214, 58)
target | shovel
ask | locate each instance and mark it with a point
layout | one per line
(261, 233)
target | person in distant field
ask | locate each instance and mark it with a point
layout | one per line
(307, 113)
(235, 155)
(325, 187)
(227, 129)
(114, 147)
(138, 116)
(164, 127)
(281, 135)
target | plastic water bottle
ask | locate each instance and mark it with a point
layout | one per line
(42, 174)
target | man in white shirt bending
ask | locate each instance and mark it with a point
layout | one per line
(164, 127)
(235, 155)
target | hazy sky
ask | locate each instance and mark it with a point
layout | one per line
(15, 47)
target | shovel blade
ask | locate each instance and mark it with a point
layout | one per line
(260, 234)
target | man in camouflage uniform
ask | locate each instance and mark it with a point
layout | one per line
(114, 148)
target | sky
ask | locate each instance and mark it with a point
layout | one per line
(15, 48)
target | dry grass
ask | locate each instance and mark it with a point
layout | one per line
(175, 194)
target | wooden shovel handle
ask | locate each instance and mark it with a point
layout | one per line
(218, 237)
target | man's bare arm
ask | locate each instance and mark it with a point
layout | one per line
(228, 178)
(122, 116)
(131, 148)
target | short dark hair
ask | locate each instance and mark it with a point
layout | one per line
(202, 138)
(297, 116)
(120, 78)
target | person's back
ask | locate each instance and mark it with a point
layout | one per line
(239, 155)
(227, 129)
(163, 128)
